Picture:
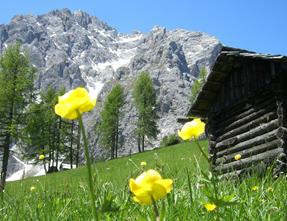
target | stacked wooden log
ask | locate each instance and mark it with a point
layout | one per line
(244, 104)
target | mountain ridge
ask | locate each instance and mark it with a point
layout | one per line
(71, 49)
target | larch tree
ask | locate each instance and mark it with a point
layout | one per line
(109, 128)
(48, 134)
(197, 84)
(35, 134)
(16, 92)
(145, 102)
(57, 129)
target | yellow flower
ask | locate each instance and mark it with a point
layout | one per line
(210, 207)
(32, 188)
(75, 100)
(149, 186)
(270, 189)
(192, 129)
(237, 157)
(255, 188)
(41, 157)
(143, 163)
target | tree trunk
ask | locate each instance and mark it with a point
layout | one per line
(53, 158)
(78, 146)
(139, 143)
(143, 143)
(44, 161)
(117, 138)
(44, 164)
(5, 161)
(113, 146)
(58, 141)
(8, 136)
(50, 157)
(53, 148)
(71, 145)
(112, 153)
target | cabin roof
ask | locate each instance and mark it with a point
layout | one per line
(227, 58)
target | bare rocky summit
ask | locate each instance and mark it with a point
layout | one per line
(71, 49)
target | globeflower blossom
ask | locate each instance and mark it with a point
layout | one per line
(32, 188)
(149, 187)
(254, 188)
(71, 106)
(74, 102)
(237, 157)
(192, 129)
(270, 189)
(210, 207)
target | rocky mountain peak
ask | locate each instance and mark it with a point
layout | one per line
(73, 48)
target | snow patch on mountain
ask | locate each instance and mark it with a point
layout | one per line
(71, 49)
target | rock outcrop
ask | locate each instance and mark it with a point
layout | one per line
(71, 49)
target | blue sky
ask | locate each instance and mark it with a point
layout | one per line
(257, 25)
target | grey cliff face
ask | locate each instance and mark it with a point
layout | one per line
(71, 49)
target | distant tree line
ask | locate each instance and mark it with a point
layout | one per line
(48, 134)
(16, 93)
(27, 117)
(145, 104)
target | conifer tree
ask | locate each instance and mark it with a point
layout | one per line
(145, 102)
(35, 134)
(109, 128)
(16, 92)
(48, 134)
(197, 84)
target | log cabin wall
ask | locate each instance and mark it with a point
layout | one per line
(280, 89)
(283, 92)
(246, 116)
(244, 106)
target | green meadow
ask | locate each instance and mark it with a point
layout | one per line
(65, 195)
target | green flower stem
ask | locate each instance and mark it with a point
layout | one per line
(156, 212)
(89, 167)
(189, 186)
(214, 182)
(201, 150)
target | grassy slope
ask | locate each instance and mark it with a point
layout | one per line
(117, 171)
(64, 196)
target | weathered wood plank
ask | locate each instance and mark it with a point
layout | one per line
(232, 175)
(258, 167)
(218, 76)
(197, 112)
(282, 133)
(280, 111)
(204, 104)
(213, 85)
(247, 124)
(248, 161)
(247, 80)
(267, 137)
(183, 120)
(246, 113)
(262, 129)
(250, 151)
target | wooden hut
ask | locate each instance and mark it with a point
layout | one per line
(244, 105)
